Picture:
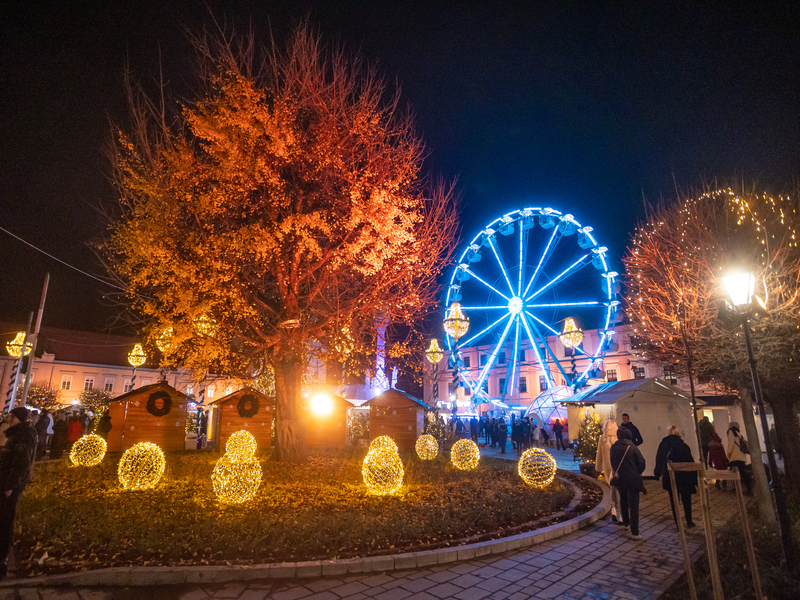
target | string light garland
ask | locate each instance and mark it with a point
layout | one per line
(427, 447)
(537, 468)
(383, 442)
(382, 471)
(236, 480)
(141, 467)
(241, 445)
(465, 455)
(88, 451)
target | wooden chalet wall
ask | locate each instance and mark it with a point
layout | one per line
(397, 416)
(328, 431)
(228, 420)
(139, 425)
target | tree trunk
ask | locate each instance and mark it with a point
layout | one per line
(788, 437)
(760, 480)
(290, 433)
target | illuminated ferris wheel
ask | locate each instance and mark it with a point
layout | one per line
(520, 280)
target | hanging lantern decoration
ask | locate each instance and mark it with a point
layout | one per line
(88, 451)
(241, 445)
(537, 468)
(141, 467)
(427, 447)
(382, 471)
(137, 357)
(236, 480)
(165, 341)
(434, 353)
(383, 442)
(205, 325)
(465, 455)
(455, 323)
(14, 347)
(572, 336)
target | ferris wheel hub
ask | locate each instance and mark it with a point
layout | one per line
(515, 305)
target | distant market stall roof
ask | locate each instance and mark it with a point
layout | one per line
(614, 391)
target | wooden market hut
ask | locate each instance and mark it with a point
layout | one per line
(152, 413)
(330, 430)
(399, 415)
(246, 409)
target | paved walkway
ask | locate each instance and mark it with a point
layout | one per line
(600, 562)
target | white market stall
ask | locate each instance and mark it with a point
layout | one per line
(652, 405)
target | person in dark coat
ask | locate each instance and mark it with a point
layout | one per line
(516, 434)
(673, 448)
(628, 464)
(473, 429)
(717, 458)
(59, 442)
(104, 426)
(42, 425)
(494, 432)
(635, 435)
(558, 431)
(525, 434)
(707, 430)
(502, 435)
(16, 460)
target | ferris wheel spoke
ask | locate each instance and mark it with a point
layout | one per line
(523, 251)
(502, 266)
(545, 325)
(478, 335)
(490, 363)
(510, 380)
(573, 268)
(535, 348)
(542, 260)
(484, 307)
(490, 286)
(549, 351)
(563, 304)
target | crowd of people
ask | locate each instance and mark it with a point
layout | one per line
(523, 432)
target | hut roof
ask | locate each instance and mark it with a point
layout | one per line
(652, 389)
(148, 389)
(241, 392)
(394, 397)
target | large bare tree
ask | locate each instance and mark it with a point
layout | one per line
(278, 216)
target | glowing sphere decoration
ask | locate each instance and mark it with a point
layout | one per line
(241, 445)
(536, 467)
(205, 325)
(141, 467)
(236, 480)
(382, 471)
(427, 447)
(383, 442)
(465, 455)
(88, 451)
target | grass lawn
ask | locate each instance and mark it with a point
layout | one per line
(82, 518)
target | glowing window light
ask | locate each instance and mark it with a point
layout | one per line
(465, 455)
(455, 323)
(382, 471)
(88, 451)
(383, 441)
(434, 353)
(165, 341)
(321, 404)
(141, 467)
(536, 467)
(236, 481)
(241, 445)
(427, 447)
(137, 356)
(572, 336)
(14, 347)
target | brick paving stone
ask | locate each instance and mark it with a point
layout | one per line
(442, 576)
(353, 587)
(443, 590)
(466, 581)
(326, 595)
(393, 594)
(422, 596)
(195, 594)
(473, 593)
(513, 575)
(292, 593)
(487, 572)
(492, 585)
(320, 585)
(255, 595)
(395, 582)
(230, 590)
(55, 594)
(462, 568)
(418, 585)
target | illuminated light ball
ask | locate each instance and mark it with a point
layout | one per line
(382, 471)
(236, 480)
(537, 467)
(465, 455)
(383, 442)
(241, 445)
(427, 447)
(141, 467)
(88, 451)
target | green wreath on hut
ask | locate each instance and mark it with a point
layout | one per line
(245, 411)
(153, 409)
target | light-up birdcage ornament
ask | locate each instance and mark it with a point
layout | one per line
(241, 445)
(434, 353)
(382, 471)
(236, 480)
(572, 335)
(88, 451)
(455, 323)
(165, 341)
(383, 442)
(141, 467)
(537, 468)
(14, 347)
(137, 357)
(464, 455)
(427, 447)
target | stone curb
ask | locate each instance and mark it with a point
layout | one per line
(142, 576)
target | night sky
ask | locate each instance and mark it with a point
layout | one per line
(582, 106)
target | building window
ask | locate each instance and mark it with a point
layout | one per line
(468, 391)
(109, 385)
(611, 375)
(466, 362)
(66, 382)
(484, 359)
(127, 386)
(638, 372)
(501, 358)
(542, 383)
(523, 385)
(452, 390)
(485, 387)
(568, 351)
(502, 385)
(88, 384)
(189, 390)
(670, 376)
(229, 390)
(210, 391)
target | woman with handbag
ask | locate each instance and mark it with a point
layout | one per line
(602, 464)
(628, 465)
(673, 448)
(737, 455)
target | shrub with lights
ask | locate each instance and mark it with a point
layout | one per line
(141, 467)
(427, 447)
(537, 468)
(236, 479)
(383, 470)
(465, 455)
(241, 445)
(383, 442)
(88, 451)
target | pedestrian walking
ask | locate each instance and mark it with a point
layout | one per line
(473, 429)
(59, 441)
(74, 431)
(16, 460)
(44, 424)
(673, 448)
(706, 428)
(602, 463)
(737, 455)
(502, 435)
(558, 431)
(525, 434)
(104, 426)
(717, 458)
(636, 436)
(628, 465)
(536, 433)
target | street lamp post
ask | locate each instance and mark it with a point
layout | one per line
(740, 288)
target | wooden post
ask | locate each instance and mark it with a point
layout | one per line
(748, 538)
(682, 532)
(711, 545)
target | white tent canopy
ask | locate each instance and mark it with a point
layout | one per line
(652, 405)
(547, 406)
